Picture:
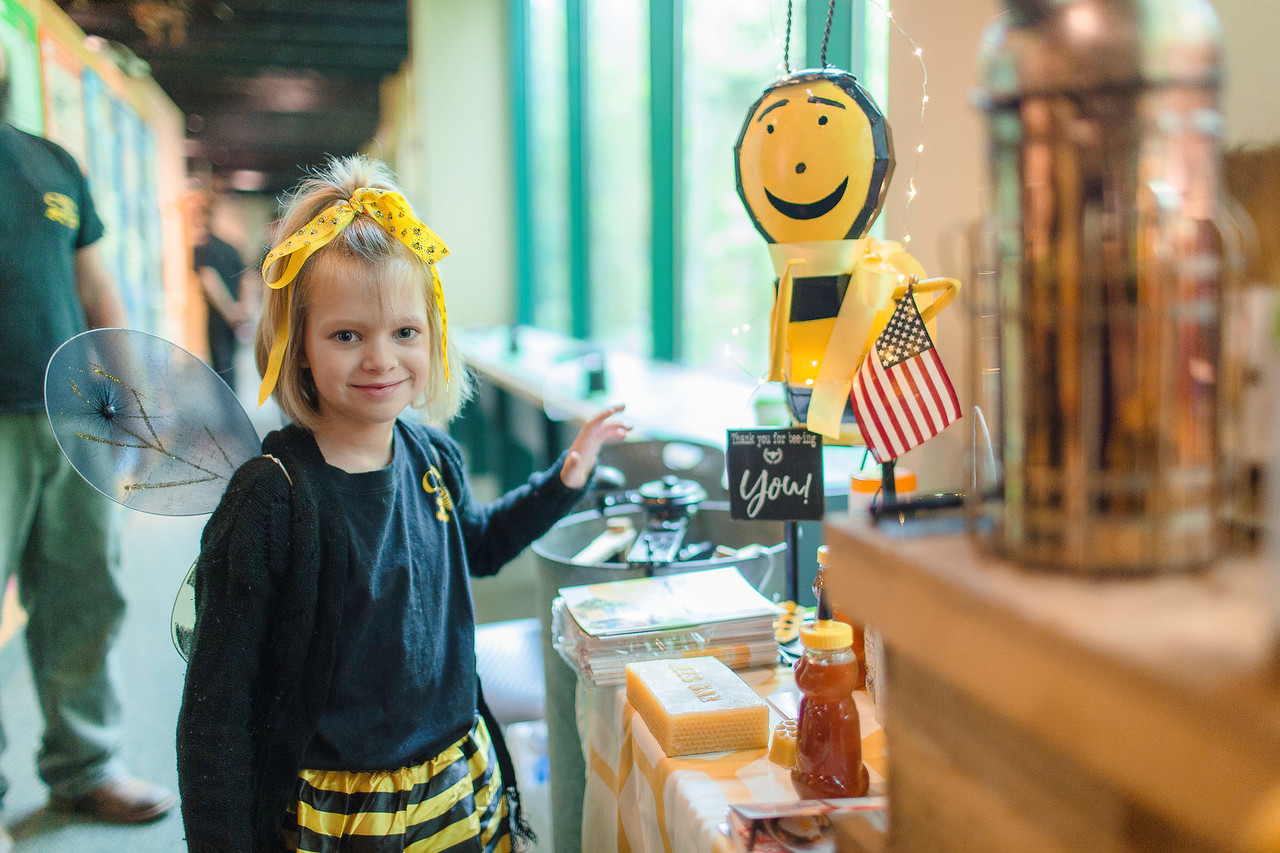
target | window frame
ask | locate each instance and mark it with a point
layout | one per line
(666, 37)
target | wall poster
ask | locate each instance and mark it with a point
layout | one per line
(18, 35)
(149, 230)
(63, 97)
(103, 166)
(132, 285)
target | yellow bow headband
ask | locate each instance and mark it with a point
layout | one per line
(392, 212)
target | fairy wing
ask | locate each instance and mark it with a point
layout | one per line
(145, 422)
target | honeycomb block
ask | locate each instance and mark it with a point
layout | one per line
(696, 705)
(782, 749)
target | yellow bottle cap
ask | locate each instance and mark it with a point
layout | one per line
(782, 749)
(827, 634)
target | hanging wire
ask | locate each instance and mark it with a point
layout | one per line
(826, 32)
(786, 45)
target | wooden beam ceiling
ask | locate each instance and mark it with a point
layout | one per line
(270, 86)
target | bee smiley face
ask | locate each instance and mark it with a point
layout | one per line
(813, 159)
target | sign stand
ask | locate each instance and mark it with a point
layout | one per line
(791, 535)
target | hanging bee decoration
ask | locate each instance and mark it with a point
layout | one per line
(813, 163)
(814, 159)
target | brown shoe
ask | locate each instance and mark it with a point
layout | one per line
(122, 800)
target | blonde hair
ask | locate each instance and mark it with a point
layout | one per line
(363, 255)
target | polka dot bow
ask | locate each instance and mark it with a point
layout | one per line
(392, 212)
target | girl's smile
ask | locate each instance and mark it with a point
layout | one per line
(381, 390)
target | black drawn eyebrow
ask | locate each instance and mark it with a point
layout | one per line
(772, 106)
(814, 99)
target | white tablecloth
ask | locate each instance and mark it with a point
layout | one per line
(640, 801)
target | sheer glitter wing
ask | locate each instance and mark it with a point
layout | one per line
(145, 422)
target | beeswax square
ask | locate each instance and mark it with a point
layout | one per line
(697, 705)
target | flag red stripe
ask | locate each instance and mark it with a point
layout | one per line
(883, 416)
(937, 376)
(951, 397)
(926, 396)
(909, 394)
(908, 429)
(869, 422)
(894, 435)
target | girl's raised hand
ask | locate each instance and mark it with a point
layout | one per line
(598, 429)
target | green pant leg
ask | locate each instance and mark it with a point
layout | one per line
(68, 577)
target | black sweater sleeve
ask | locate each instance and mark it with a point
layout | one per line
(244, 544)
(495, 533)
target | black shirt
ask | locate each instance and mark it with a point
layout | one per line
(404, 685)
(223, 259)
(47, 216)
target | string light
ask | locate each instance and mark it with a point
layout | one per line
(734, 345)
(924, 96)
(918, 52)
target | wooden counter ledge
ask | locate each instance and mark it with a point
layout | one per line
(1033, 711)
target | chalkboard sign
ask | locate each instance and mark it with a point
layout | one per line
(775, 474)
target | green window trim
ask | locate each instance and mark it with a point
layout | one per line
(579, 171)
(526, 283)
(666, 37)
(666, 44)
(840, 45)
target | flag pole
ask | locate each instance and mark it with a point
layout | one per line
(791, 564)
(791, 535)
(888, 483)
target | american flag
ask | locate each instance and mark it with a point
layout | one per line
(901, 394)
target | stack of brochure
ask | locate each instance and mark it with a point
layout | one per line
(600, 628)
(810, 825)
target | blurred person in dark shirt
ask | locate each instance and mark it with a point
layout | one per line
(59, 536)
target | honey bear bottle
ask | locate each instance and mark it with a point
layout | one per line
(829, 736)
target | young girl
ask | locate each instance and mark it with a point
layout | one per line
(331, 690)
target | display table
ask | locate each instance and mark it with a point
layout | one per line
(1032, 711)
(663, 400)
(532, 393)
(639, 800)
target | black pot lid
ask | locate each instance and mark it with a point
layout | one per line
(671, 491)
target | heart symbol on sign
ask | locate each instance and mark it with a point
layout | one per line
(773, 455)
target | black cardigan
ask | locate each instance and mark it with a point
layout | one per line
(269, 592)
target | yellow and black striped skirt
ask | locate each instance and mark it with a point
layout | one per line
(452, 802)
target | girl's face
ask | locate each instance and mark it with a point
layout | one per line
(368, 357)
